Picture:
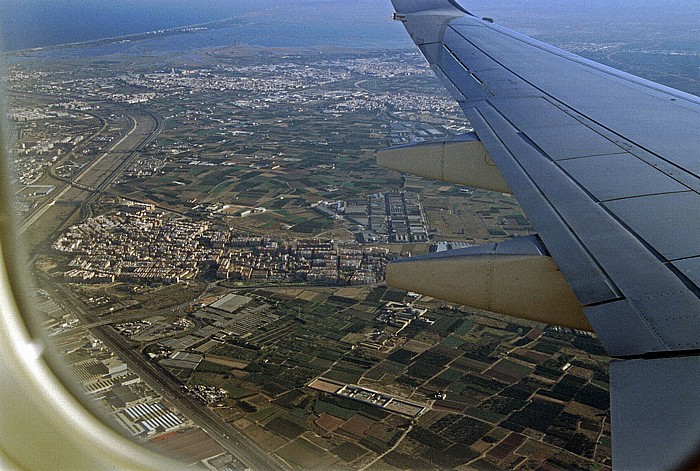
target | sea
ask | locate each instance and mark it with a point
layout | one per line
(657, 39)
(28, 24)
(352, 23)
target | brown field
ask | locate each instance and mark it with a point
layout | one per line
(268, 440)
(303, 453)
(536, 450)
(226, 361)
(416, 346)
(381, 432)
(188, 446)
(354, 293)
(325, 385)
(581, 409)
(307, 295)
(328, 422)
(356, 426)
(326, 443)
(430, 417)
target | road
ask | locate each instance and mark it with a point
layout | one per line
(162, 383)
(96, 178)
(145, 130)
(100, 173)
(56, 196)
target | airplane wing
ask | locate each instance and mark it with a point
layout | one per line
(607, 167)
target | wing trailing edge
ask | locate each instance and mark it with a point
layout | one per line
(606, 167)
(516, 277)
(462, 160)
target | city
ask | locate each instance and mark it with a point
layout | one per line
(209, 234)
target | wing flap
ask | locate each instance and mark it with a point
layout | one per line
(515, 277)
(462, 160)
(582, 165)
(582, 272)
(620, 260)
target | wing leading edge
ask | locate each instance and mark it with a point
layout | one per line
(607, 167)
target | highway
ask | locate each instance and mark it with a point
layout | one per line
(143, 128)
(96, 178)
(149, 126)
(56, 196)
(162, 383)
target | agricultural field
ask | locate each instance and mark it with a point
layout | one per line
(496, 393)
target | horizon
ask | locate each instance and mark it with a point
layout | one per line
(26, 24)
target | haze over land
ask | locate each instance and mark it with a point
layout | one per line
(209, 232)
(656, 40)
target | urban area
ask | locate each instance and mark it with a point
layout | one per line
(209, 233)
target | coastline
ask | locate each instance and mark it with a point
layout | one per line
(159, 33)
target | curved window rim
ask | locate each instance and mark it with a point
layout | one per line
(41, 402)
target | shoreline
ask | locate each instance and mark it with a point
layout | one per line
(158, 33)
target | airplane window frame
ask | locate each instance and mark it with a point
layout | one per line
(40, 402)
(45, 420)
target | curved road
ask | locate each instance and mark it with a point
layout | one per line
(33, 217)
(225, 434)
(96, 178)
(144, 127)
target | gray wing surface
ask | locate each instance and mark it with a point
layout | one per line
(607, 167)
